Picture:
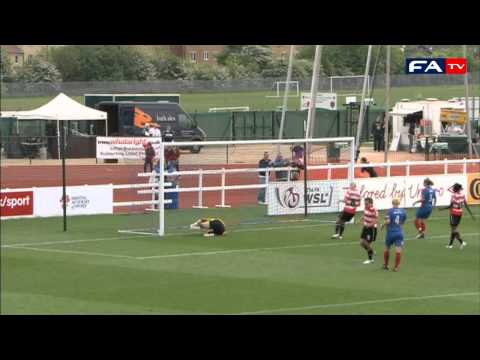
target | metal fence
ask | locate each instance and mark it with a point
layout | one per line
(18, 89)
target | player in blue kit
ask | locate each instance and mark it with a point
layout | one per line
(394, 220)
(428, 202)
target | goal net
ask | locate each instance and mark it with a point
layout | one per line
(245, 183)
(278, 89)
(349, 85)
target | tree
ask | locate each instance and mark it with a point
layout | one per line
(345, 60)
(169, 68)
(102, 62)
(246, 59)
(260, 55)
(6, 71)
(278, 69)
(205, 72)
(38, 70)
(227, 52)
(143, 68)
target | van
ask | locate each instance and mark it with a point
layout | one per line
(128, 118)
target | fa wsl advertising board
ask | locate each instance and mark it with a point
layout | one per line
(287, 198)
(125, 148)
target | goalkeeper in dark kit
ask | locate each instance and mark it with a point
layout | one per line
(210, 226)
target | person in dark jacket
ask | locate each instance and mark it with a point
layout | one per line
(265, 162)
(411, 136)
(149, 156)
(377, 132)
(369, 169)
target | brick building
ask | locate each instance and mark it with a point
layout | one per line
(207, 53)
(197, 53)
(15, 53)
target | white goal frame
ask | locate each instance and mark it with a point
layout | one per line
(350, 76)
(161, 186)
(280, 92)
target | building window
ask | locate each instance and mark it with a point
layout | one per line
(29, 59)
(205, 56)
(193, 56)
(16, 59)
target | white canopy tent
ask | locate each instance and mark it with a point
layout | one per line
(60, 108)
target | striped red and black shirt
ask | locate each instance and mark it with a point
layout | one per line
(457, 201)
(352, 201)
(370, 217)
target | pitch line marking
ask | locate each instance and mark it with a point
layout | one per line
(73, 252)
(203, 253)
(321, 306)
(173, 234)
(72, 241)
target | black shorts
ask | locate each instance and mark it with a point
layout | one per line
(217, 227)
(455, 220)
(369, 234)
(344, 216)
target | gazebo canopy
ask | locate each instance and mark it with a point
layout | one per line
(61, 107)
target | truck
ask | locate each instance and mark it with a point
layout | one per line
(128, 118)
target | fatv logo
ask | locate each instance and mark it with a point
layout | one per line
(449, 66)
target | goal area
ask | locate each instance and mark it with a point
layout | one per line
(246, 183)
(278, 89)
(349, 85)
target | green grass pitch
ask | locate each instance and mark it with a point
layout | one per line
(257, 100)
(276, 266)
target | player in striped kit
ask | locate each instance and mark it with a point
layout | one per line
(369, 231)
(428, 201)
(456, 203)
(352, 201)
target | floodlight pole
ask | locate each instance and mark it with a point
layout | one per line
(362, 104)
(161, 190)
(387, 102)
(285, 95)
(467, 106)
(313, 91)
(64, 182)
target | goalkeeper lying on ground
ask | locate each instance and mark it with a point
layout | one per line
(211, 226)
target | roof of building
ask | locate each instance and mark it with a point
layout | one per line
(13, 49)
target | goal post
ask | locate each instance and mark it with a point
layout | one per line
(349, 84)
(279, 89)
(229, 179)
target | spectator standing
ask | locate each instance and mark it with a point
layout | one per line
(149, 156)
(172, 154)
(265, 162)
(281, 175)
(146, 130)
(377, 135)
(411, 136)
(168, 135)
(155, 131)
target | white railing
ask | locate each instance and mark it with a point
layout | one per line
(223, 188)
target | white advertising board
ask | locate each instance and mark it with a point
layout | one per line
(287, 198)
(324, 101)
(81, 200)
(125, 148)
(407, 189)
